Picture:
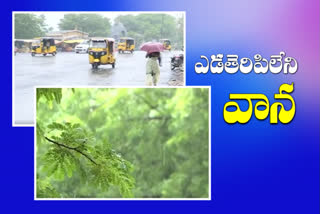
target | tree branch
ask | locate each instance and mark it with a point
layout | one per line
(146, 101)
(71, 148)
(150, 118)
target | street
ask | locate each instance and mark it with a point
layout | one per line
(70, 69)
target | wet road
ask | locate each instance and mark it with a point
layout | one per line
(70, 69)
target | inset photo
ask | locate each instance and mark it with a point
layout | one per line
(122, 143)
(94, 49)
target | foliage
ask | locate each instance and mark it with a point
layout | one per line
(51, 94)
(70, 144)
(101, 166)
(94, 24)
(149, 27)
(29, 26)
(163, 133)
(45, 189)
(142, 27)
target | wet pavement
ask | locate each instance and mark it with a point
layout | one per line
(70, 69)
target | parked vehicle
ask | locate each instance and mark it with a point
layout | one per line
(101, 52)
(44, 46)
(126, 44)
(82, 47)
(177, 61)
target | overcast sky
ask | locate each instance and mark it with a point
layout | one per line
(53, 18)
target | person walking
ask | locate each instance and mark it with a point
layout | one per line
(152, 68)
(153, 50)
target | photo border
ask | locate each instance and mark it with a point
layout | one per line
(123, 199)
(14, 124)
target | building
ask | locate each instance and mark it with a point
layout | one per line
(68, 35)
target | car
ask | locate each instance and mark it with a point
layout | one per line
(82, 47)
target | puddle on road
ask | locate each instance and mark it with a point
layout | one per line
(102, 71)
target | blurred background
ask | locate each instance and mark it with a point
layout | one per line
(162, 132)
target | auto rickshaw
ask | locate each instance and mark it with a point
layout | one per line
(126, 44)
(44, 46)
(101, 52)
(166, 43)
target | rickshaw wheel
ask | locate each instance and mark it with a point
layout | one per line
(95, 65)
(54, 53)
(113, 65)
(44, 54)
(33, 54)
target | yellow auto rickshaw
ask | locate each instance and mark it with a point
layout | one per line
(44, 46)
(126, 44)
(166, 43)
(101, 52)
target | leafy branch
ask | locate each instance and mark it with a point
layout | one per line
(71, 148)
(69, 142)
(150, 118)
(146, 101)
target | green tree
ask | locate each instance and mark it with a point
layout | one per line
(179, 37)
(71, 149)
(94, 24)
(28, 26)
(149, 27)
(163, 133)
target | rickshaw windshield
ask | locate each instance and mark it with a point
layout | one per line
(84, 42)
(122, 40)
(36, 42)
(98, 44)
(48, 42)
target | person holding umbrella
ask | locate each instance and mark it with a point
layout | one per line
(153, 50)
